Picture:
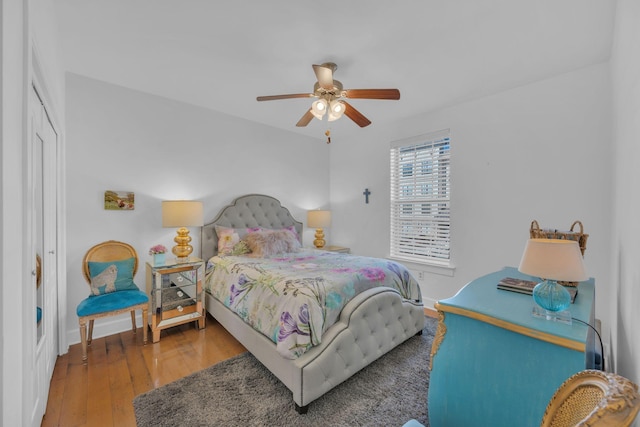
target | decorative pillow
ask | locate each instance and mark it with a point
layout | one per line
(229, 237)
(107, 277)
(240, 248)
(292, 228)
(267, 243)
(293, 244)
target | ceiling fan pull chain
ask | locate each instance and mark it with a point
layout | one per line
(328, 133)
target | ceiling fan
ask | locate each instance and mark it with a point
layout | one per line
(331, 98)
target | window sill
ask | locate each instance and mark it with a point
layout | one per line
(427, 267)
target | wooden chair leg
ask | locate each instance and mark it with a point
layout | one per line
(83, 338)
(133, 321)
(90, 336)
(144, 325)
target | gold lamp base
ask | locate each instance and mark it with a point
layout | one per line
(319, 242)
(183, 249)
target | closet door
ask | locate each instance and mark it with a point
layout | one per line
(43, 149)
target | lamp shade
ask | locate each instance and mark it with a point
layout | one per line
(553, 259)
(182, 213)
(336, 110)
(318, 219)
(319, 108)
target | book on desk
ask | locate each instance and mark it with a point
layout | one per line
(526, 287)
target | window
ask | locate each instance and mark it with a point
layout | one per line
(420, 198)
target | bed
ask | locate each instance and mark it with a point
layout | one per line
(371, 323)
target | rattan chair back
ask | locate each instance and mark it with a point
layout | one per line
(593, 398)
(108, 251)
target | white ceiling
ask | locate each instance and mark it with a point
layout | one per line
(221, 54)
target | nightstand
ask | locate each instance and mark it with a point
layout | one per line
(175, 294)
(340, 249)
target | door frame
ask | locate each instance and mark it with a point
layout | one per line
(39, 81)
(40, 357)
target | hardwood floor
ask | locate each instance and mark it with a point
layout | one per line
(120, 367)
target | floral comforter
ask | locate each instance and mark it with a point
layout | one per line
(294, 298)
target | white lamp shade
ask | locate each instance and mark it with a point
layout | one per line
(319, 108)
(336, 110)
(182, 213)
(553, 259)
(318, 219)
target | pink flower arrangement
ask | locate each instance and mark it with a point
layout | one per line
(157, 249)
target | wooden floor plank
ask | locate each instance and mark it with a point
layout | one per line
(99, 402)
(74, 402)
(56, 392)
(139, 374)
(120, 380)
(165, 361)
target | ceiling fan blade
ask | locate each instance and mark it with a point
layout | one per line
(292, 95)
(304, 120)
(355, 115)
(324, 74)
(372, 93)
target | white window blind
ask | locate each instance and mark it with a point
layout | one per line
(420, 198)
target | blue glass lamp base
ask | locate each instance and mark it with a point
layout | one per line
(555, 316)
(551, 296)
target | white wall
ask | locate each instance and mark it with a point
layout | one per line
(625, 280)
(540, 151)
(120, 139)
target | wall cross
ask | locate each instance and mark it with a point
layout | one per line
(366, 195)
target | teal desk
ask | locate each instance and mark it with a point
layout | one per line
(494, 364)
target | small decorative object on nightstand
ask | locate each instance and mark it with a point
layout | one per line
(175, 294)
(158, 253)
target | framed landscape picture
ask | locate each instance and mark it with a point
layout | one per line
(119, 200)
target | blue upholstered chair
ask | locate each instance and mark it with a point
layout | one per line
(109, 268)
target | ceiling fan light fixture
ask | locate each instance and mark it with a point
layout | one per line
(332, 98)
(336, 110)
(319, 108)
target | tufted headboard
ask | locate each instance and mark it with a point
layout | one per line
(252, 210)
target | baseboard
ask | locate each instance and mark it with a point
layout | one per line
(429, 303)
(105, 327)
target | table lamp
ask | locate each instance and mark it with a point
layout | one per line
(182, 214)
(319, 220)
(552, 260)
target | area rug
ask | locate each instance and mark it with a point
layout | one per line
(241, 392)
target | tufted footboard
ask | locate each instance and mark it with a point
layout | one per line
(372, 324)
